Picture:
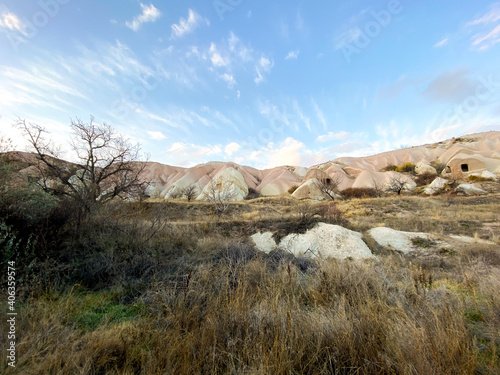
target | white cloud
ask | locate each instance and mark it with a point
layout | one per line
(216, 57)
(319, 114)
(157, 136)
(231, 148)
(333, 137)
(491, 17)
(149, 14)
(263, 66)
(292, 55)
(189, 154)
(11, 22)
(487, 29)
(441, 43)
(186, 26)
(484, 41)
(229, 79)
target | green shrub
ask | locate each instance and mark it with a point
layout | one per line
(292, 189)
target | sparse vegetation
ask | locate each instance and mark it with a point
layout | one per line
(164, 287)
(360, 193)
(292, 189)
(406, 168)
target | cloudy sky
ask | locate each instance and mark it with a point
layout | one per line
(261, 83)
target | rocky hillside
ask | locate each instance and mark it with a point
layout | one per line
(475, 154)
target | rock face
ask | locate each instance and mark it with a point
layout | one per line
(422, 168)
(327, 241)
(436, 186)
(469, 189)
(264, 241)
(396, 240)
(228, 182)
(309, 190)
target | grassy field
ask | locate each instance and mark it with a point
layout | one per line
(171, 288)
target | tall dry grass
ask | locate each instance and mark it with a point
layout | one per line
(249, 316)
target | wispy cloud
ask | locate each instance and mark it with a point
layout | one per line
(149, 14)
(487, 29)
(292, 55)
(263, 67)
(11, 22)
(319, 114)
(441, 43)
(186, 26)
(156, 135)
(333, 137)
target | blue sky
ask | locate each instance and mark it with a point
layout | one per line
(261, 83)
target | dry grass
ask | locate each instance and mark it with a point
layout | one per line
(188, 294)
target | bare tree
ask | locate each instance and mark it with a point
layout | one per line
(329, 185)
(189, 192)
(105, 163)
(397, 184)
(220, 194)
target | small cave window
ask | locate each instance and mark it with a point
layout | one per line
(465, 167)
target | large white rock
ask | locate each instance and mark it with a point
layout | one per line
(229, 182)
(488, 174)
(327, 241)
(422, 168)
(309, 190)
(469, 189)
(264, 241)
(436, 186)
(395, 239)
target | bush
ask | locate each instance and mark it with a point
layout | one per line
(479, 179)
(292, 189)
(425, 179)
(252, 194)
(406, 167)
(360, 193)
(390, 167)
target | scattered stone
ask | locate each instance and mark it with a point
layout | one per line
(264, 241)
(436, 186)
(327, 241)
(471, 240)
(309, 190)
(397, 240)
(422, 168)
(490, 175)
(469, 189)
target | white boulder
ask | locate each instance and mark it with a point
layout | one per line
(469, 189)
(327, 241)
(395, 239)
(436, 186)
(264, 241)
(309, 190)
(422, 168)
(490, 175)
